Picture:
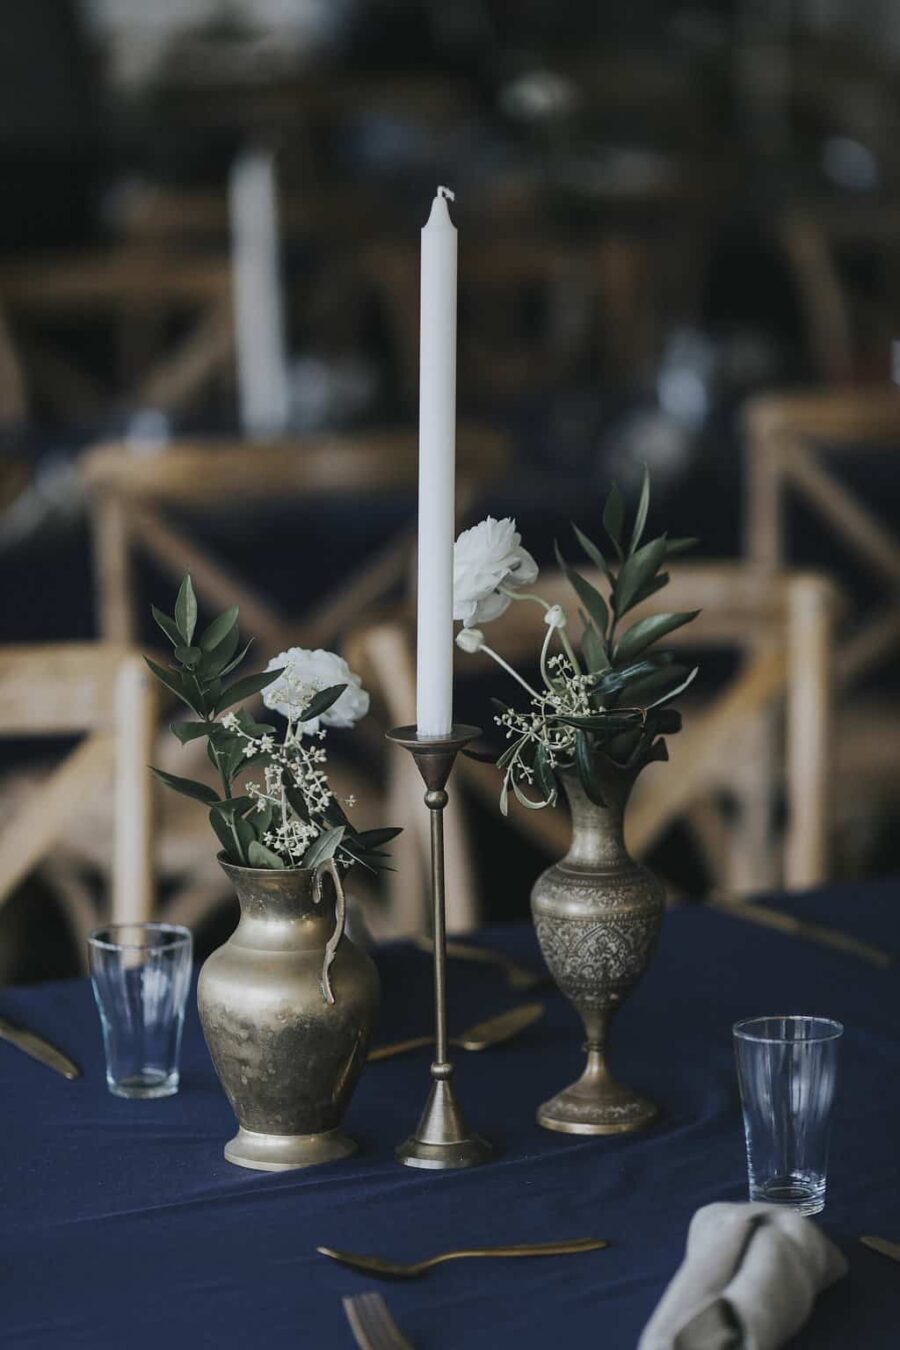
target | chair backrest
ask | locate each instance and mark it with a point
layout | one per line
(130, 497)
(106, 692)
(782, 624)
(794, 447)
(535, 308)
(849, 326)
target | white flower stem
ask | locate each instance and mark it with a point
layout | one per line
(563, 635)
(509, 669)
(544, 650)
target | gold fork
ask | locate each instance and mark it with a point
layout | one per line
(410, 1270)
(372, 1325)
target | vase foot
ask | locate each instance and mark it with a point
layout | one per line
(583, 1109)
(283, 1152)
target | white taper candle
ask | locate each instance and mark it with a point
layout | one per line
(262, 363)
(437, 469)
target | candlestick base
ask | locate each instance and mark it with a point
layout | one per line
(442, 1138)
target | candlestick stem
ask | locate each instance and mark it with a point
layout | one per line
(442, 1138)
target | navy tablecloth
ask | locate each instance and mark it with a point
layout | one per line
(122, 1225)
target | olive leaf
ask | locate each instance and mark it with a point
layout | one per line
(188, 787)
(321, 702)
(190, 731)
(640, 518)
(169, 626)
(246, 687)
(636, 571)
(324, 847)
(587, 769)
(174, 681)
(591, 598)
(216, 659)
(186, 610)
(614, 518)
(592, 646)
(647, 631)
(219, 629)
(260, 856)
(372, 839)
(590, 549)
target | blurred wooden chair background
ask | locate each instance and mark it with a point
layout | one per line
(711, 757)
(796, 447)
(132, 499)
(845, 262)
(93, 810)
(538, 310)
(170, 314)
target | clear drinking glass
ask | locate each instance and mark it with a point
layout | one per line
(787, 1068)
(141, 973)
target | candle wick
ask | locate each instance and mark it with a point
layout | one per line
(446, 192)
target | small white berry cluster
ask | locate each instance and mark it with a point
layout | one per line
(292, 768)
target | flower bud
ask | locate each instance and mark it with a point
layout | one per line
(470, 639)
(555, 617)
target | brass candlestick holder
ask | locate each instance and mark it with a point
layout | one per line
(442, 1138)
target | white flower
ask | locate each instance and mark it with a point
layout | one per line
(488, 556)
(555, 617)
(304, 674)
(470, 639)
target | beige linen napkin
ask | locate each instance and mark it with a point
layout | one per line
(749, 1278)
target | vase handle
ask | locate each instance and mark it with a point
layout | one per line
(340, 910)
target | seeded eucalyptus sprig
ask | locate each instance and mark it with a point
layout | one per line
(289, 819)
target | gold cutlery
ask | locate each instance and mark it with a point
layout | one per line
(372, 1325)
(804, 928)
(478, 1037)
(519, 977)
(38, 1049)
(403, 1270)
(882, 1246)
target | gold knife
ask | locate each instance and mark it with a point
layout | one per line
(517, 976)
(38, 1049)
(825, 936)
(478, 1037)
(881, 1245)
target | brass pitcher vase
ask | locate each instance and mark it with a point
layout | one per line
(597, 914)
(287, 1006)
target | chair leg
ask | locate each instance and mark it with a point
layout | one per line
(809, 732)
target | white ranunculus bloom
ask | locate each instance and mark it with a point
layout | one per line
(486, 557)
(305, 673)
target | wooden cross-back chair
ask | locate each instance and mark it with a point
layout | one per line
(130, 498)
(849, 322)
(95, 807)
(139, 290)
(709, 757)
(795, 447)
(596, 303)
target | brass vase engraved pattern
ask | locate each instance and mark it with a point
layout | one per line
(287, 1007)
(597, 914)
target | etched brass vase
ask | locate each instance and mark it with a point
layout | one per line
(598, 916)
(287, 1006)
